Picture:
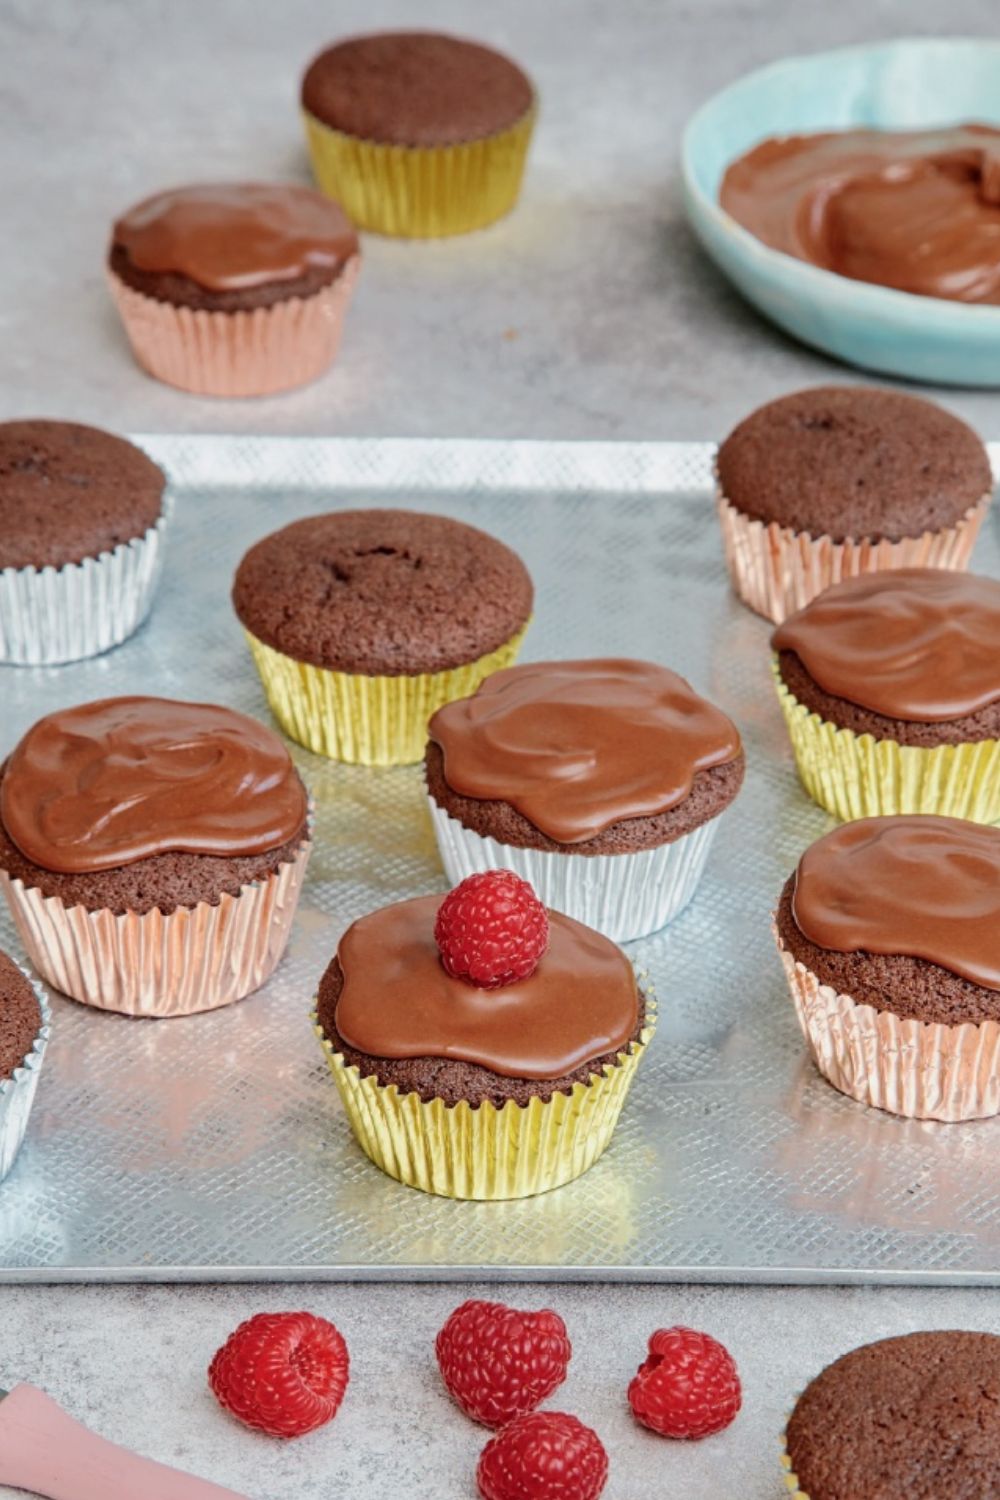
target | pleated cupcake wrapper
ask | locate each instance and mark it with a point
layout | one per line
(421, 191)
(789, 1476)
(485, 1153)
(857, 776)
(53, 615)
(776, 570)
(17, 1093)
(625, 896)
(192, 959)
(920, 1069)
(368, 721)
(253, 352)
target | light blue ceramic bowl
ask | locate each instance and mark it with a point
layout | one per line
(895, 85)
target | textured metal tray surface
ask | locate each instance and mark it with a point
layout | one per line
(215, 1146)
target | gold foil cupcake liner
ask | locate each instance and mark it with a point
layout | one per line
(790, 1477)
(254, 352)
(192, 959)
(421, 192)
(922, 1070)
(857, 776)
(485, 1153)
(776, 570)
(368, 721)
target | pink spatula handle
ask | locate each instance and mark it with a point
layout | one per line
(45, 1450)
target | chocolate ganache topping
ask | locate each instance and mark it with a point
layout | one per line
(397, 1000)
(231, 236)
(108, 783)
(576, 746)
(915, 210)
(921, 886)
(920, 644)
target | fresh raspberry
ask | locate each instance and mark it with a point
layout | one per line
(284, 1373)
(543, 1456)
(688, 1386)
(499, 1363)
(491, 930)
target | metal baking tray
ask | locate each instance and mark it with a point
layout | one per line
(215, 1147)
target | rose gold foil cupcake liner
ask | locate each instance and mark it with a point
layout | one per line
(256, 352)
(192, 959)
(923, 1070)
(776, 570)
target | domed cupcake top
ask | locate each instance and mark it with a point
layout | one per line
(919, 644)
(112, 782)
(576, 746)
(921, 886)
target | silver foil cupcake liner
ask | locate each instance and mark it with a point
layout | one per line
(624, 896)
(53, 615)
(17, 1093)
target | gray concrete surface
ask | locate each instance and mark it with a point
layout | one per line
(590, 313)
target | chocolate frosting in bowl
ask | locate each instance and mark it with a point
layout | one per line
(576, 746)
(915, 210)
(926, 887)
(233, 236)
(397, 1000)
(919, 644)
(108, 783)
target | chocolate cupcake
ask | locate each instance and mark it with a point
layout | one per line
(889, 933)
(829, 483)
(417, 133)
(82, 515)
(890, 688)
(363, 622)
(908, 1418)
(25, 1019)
(234, 289)
(601, 782)
(152, 852)
(482, 1047)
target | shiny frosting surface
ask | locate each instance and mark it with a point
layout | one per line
(230, 236)
(576, 746)
(915, 210)
(920, 886)
(920, 644)
(397, 1000)
(108, 783)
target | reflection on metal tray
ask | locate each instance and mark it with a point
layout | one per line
(215, 1147)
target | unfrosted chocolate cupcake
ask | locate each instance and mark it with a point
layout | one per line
(168, 882)
(363, 622)
(234, 289)
(24, 1033)
(889, 934)
(909, 1418)
(601, 782)
(81, 520)
(416, 132)
(841, 480)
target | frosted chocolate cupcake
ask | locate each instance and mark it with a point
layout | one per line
(418, 133)
(829, 483)
(82, 514)
(24, 1035)
(481, 1084)
(601, 782)
(889, 933)
(362, 623)
(234, 289)
(152, 852)
(890, 688)
(909, 1418)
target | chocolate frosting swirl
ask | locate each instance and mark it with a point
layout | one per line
(920, 644)
(923, 887)
(112, 782)
(915, 210)
(576, 746)
(231, 236)
(397, 1000)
